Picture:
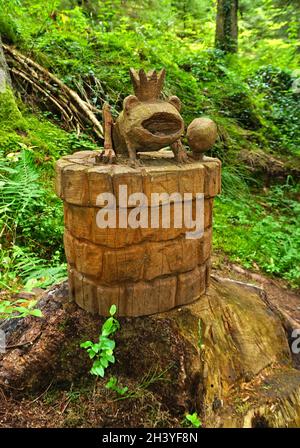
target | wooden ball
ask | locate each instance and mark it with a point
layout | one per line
(201, 134)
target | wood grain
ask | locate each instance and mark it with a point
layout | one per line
(141, 270)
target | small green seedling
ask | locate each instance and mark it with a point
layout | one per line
(112, 384)
(102, 351)
(193, 419)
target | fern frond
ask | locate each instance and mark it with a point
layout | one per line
(19, 190)
(20, 185)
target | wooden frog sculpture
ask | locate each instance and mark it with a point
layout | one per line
(147, 122)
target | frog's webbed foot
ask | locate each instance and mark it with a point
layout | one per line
(182, 157)
(179, 152)
(135, 163)
(134, 159)
(108, 156)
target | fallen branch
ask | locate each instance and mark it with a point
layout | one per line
(74, 110)
(44, 92)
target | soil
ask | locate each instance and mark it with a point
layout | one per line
(90, 406)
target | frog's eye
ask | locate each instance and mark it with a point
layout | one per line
(129, 102)
(175, 101)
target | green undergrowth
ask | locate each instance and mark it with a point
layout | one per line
(31, 215)
(261, 230)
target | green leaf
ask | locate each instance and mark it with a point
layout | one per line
(98, 371)
(108, 344)
(91, 353)
(86, 344)
(104, 362)
(123, 390)
(111, 383)
(111, 359)
(194, 419)
(102, 351)
(107, 327)
(36, 313)
(113, 310)
(96, 348)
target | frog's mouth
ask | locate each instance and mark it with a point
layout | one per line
(162, 124)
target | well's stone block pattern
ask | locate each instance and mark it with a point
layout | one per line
(142, 271)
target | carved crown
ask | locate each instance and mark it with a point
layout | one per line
(147, 86)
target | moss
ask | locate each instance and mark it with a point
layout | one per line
(10, 116)
(9, 140)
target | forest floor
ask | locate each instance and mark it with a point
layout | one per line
(277, 289)
(90, 404)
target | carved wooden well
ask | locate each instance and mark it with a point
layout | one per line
(141, 270)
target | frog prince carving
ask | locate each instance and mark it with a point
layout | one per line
(147, 122)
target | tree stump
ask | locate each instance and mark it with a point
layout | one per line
(142, 270)
(226, 356)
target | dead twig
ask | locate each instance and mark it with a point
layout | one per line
(41, 395)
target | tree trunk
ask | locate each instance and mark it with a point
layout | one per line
(4, 72)
(227, 26)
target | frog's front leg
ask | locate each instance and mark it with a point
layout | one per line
(179, 152)
(134, 161)
(109, 155)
